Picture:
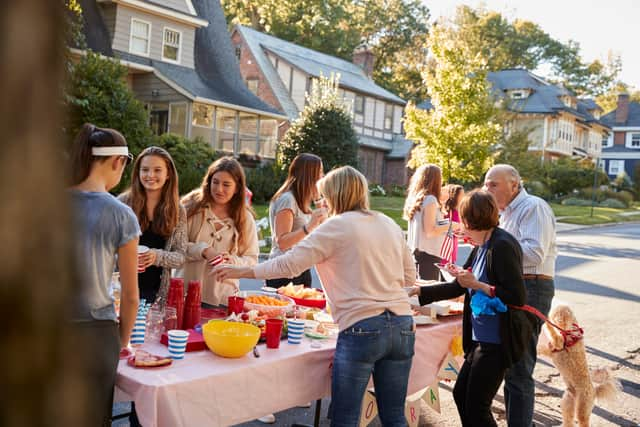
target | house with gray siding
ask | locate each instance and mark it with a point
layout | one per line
(621, 150)
(182, 67)
(281, 72)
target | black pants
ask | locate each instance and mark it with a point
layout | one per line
(477, 384)
(101, 339)
(425, 265)
(303, 279)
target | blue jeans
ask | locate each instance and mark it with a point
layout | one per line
(382, 345)
(519, 386)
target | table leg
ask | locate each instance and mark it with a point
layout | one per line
(316, 417)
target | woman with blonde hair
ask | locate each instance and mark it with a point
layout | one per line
(155, 200)
(363, 262)
(427, 225)
(219, 222)
(290, 215)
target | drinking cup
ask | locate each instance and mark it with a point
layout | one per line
(139, 330)
(142, 249)
(177, 343)
(295, 330)
(273, 332)
(235, 305)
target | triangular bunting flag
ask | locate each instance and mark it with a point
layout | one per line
(412, 412)
(449, 368)
(369, 409)
(432, 397)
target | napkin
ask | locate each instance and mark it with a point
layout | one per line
(481, 303)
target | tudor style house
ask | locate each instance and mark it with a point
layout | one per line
(182, 67)
(560, 124)
(621, 150)
(280, 73)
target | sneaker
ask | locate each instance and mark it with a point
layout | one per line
(305, 405)
(268, 419)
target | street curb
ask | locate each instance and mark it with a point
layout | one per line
(576, 227)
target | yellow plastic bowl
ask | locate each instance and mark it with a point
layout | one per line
(230, 339)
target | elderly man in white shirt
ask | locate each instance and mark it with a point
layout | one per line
(531, 221)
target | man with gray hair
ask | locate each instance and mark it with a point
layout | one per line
(531, 221)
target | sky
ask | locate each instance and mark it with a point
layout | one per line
(598, 25)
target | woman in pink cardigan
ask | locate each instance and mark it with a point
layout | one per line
(363, 262)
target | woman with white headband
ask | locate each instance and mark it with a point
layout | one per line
(104, 228)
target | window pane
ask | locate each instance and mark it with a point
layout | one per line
(202, 115)
(226, 128)
(139, 29)
(170, 52)
(172, 37)
(178, 119)
(252, 84)
(139, 46)
(268, 137)
(224, 141)
(205, 133)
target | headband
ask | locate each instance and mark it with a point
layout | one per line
(120, 150)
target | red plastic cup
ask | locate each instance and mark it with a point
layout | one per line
(175, 299)
(273, 332)
(235, 304)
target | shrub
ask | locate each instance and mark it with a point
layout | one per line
(612, 203)
(394, 190)
(376, 190)
(573, 201)
(601, 195)
(264, 181)
(324, 128)
(192, 158)
(537, 188)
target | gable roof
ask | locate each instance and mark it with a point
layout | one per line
(633, 119)
(216, 77)
(544, 97)
(310, 62)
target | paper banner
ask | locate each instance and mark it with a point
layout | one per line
(412, 412)
(432, 397)
(369, 409)
(449, 368)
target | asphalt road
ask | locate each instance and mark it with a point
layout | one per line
(598, 275)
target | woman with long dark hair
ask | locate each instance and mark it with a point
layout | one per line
(290, 215)
(155, 200)
(219, 222)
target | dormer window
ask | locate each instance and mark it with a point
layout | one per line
(518, 94)
(140, 37)
(171, 45)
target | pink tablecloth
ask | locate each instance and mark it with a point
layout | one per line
(204, 389)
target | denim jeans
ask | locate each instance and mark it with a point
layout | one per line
(382, 345)
(519, 386)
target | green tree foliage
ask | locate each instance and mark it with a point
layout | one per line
(523, 44)
(191, 157)
(324, 128)
(396, 29)
(264, 181)
(514, 150)
(96, 92)
(458, 134)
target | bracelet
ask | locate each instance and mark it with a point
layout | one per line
(304, 228)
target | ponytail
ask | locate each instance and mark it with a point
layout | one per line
(81, 157)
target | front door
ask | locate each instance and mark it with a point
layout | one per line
(159, 121)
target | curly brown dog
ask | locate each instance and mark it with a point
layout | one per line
(571, 362)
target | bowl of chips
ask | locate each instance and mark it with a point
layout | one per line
(267, 304)
(307, 297)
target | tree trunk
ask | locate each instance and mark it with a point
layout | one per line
(41, 380)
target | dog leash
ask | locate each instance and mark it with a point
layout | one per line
(570, 337)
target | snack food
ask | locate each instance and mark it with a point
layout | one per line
(299, 291)
(266, 300)
(143, 359)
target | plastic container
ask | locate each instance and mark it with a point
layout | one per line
(175, 298)
(230, 339)
(268, 310)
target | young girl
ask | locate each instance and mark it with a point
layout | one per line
(155, 200)
(290, 214)
(219, 222)
(455, 194)
(427, 226)
(105, 228)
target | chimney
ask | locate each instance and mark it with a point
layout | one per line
(622, 111)
(364, 58)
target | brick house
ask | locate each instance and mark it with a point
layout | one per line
(280, 74)
(621, 150)
(182, 66)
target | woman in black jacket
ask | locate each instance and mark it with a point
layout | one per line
(491, 343)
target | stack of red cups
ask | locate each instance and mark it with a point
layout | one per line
(192, 305)
(175, 298)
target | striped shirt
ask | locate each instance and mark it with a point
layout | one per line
(531, 221)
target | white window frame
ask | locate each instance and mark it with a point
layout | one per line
(629, 140)
(518, 94)
(213, 115)
(609, 141)
(620, 167)
(141, 21)
(164, 58)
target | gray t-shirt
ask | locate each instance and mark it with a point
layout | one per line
(102, 225)
(416, 236)
(285, 201)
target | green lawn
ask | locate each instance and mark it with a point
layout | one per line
(392, 207)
